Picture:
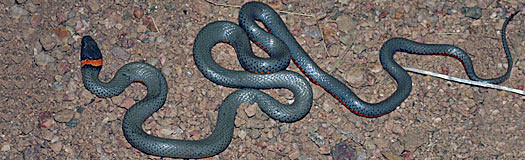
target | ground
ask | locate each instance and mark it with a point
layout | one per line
(47, 113)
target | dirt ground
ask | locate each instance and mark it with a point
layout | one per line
(46, 113)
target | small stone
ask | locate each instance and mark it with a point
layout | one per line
(20, 1)
(324, 150)
(56, 147)
(46, 120)
(65, 115)
(142, 28)
(47, 135)
(151, 26)
(310, 147)
(47, 41)
(72, 123)
(166, 132)
(110, 117)
(412, 141)
(93, 5)
(313, 32)
(35, 20)
(153, 61)
(398, 15)
(472, 12)
(255, 124)
(376, 68)
(127, 102)
(120, 53)
(239, 122)
(345, 23)
(255, 133)
(391, 156)
(17, 12)
(250, 110)
(61, 32)
(251, 156)
(6, 147)
(369, 145)
(63, 67)
(82, 26)
(343, 151)
(138, 13)
(409, 156)
(356, 75)
(294, 154)
(242, 134)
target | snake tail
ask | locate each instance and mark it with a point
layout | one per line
(257, 11)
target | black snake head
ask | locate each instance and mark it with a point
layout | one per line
(89, 50)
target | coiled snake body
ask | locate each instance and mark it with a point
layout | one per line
(266, 73)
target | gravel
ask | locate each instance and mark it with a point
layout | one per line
(46, 113)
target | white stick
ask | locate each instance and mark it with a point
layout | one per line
(466, 81)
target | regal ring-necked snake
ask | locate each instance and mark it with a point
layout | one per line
(265, 73)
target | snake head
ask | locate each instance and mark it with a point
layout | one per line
(90, 53)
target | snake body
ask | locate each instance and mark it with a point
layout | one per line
(256, 11)
(221, 136)
(265, 73)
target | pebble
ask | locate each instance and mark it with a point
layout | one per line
(409, 156)
(127, 102)
(250, 110)
(61, 32)
(391, 156)
(313, 32)
(166, 132)
(110, 117)
(356, 75)
(47, 41)
(141, 28)
(17, 12)
(324, 150)
(343, 151)
(64, 115)
(120, 53)
(47, 135)
(255, 133)
(72, 123)
(153, 61)
(242, 134)
(82, 26)
(93, 5)
(63, 67)
(138, 13)
(294, 154)
(472, 12)
(412, 141)
(310, 147)
(369, 144)
(46, 120)
(56, 147)
(6, 147)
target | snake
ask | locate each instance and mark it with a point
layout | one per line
(261, 73)
(257, 11)
(248, 82)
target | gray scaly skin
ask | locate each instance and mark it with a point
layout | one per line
(221, 136)
(257, 11)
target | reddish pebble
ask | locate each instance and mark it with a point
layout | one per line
(409, 156)
(45, 120)
(138, 13)
(127, 102)
(444, 69)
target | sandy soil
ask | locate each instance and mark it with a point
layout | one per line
(46, 112)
